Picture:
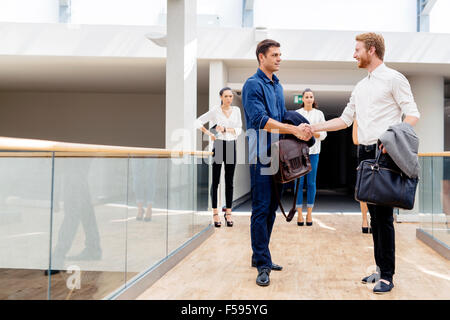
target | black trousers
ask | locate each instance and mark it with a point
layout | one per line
(381, 222)
(223, 152)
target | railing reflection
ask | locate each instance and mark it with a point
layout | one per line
(116, 212)
(434, 197)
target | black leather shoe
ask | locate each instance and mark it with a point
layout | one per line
(275, 267)
(309, 224)
(374, 277)
(382, 287)
(301, 224)
(365, 229)
(263, 279)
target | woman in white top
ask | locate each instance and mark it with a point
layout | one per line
(313, 115)
(228, 125)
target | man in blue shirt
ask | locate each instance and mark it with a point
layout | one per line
(263, 100)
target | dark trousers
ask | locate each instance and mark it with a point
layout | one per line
(381, 222)
(264, 206)
(223, 152)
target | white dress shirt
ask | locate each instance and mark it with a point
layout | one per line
(216, 116)
(314, 116)
(377, 102)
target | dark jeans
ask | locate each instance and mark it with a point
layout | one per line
(264, 205)
(381, 222)
(223, 151)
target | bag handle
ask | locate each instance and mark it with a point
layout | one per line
(291, 213)
(377, 157)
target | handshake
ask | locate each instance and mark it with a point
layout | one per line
(304, 131)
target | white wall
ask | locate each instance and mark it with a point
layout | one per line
(149, 12)
(428, 93)
(381, 15)
(121, 12)
(29, 10)
(229, 11)
(135, 120)
(439, 21)
(97, 118)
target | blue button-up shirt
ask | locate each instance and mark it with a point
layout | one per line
(262, 99)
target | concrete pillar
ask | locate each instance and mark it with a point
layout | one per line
(181, 74)
(428, 93)
(218, 78)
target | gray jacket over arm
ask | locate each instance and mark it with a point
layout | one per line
(402, 145)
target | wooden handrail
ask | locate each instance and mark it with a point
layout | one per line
(63, 148)
(435, 154)
(75, 149)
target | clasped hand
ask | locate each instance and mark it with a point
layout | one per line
(304, 132)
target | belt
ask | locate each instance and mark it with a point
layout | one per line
(366, 148)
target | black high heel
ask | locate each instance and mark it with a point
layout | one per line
(302, 223)
(229, 223)
(365, 229)
(217, 224)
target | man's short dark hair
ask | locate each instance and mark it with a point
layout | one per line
(264, 45)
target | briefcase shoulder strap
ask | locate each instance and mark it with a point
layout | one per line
(291, 213)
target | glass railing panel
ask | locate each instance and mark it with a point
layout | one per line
(426, 194)
(89, 226)
(180, 194)
(25, 193)
(147, 214)
(441, 199)
(202, 216)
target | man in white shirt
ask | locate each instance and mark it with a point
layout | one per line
(377, 102)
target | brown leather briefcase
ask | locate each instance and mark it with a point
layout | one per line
(293, 163)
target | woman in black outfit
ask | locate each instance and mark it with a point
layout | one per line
(228, 125)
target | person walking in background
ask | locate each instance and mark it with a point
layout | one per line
(263, 100)
(309, 110)
(377, 102)
(228, 124)
(365, 225)
(445, 191)
(144, 172)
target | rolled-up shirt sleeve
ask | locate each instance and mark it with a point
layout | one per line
(402, 94)
(238, 125)
(323, 134)
(349, 111)
(200, 121)
(252, 99)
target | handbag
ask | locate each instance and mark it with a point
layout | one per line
(293, 163)
(380, 185)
